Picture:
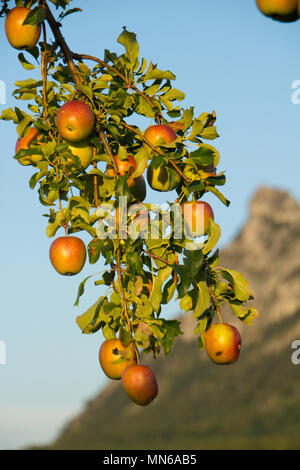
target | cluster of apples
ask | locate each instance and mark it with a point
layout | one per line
(285, 11)
(75, 124)
(160, 179)
(120, 362)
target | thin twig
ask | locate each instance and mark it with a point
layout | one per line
(116, 72)
(121, 289)
(55, 27)
(215, 302)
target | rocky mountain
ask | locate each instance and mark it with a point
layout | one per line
(253, 404)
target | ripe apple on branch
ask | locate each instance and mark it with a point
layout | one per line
(87, 160)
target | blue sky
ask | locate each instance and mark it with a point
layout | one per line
(226, 57)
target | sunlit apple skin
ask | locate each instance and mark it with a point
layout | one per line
(107, 358)
(280, 10)
(222, 343)
(83, 151)
(160, 131)
(196, 217)
(160, 179)
(75, 121)
(24, 143)
(158, 134)
(67, 255)
(140, 384)
(124, 166)
(21, 36)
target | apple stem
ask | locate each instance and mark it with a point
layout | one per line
(96, 193)
(126, 315)
(108, 151)
(65, 224)
(215, 303)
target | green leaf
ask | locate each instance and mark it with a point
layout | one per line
(142, 335)
(197, 128)
(85, 90)
(69, 12)
(9, 115)
(94, 250)
(109, 333)
(187, 301)
(245, 314)
(219, 195)
(128, 40)
(134, 262)
(193, 261)
(156, 293)
(164, 273)
(92, 320)
(36, 177)
(238, 282)
(142, 67)
(23, 124)
(35, 17)
(168, 291)
(172, 329)
(145, 108)
(58, 222)
(209, 133)
(188, 115)
(30, 83)
(157, 74)
(204, 155)
(81, 290)
(214, 233)
(174, 95)
(141, 159)
(203, 299)
(24, 62)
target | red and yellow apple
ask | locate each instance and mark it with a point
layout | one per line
(140, 384)
(75, 121)
(280, 10)
(196, 216)
(222, 343)
(158, 134)
(68, 255)
(21, 36)
(83, 150)
(32, 135)
(114, 357)
(124, 166)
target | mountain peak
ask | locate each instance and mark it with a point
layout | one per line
(274, 204)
